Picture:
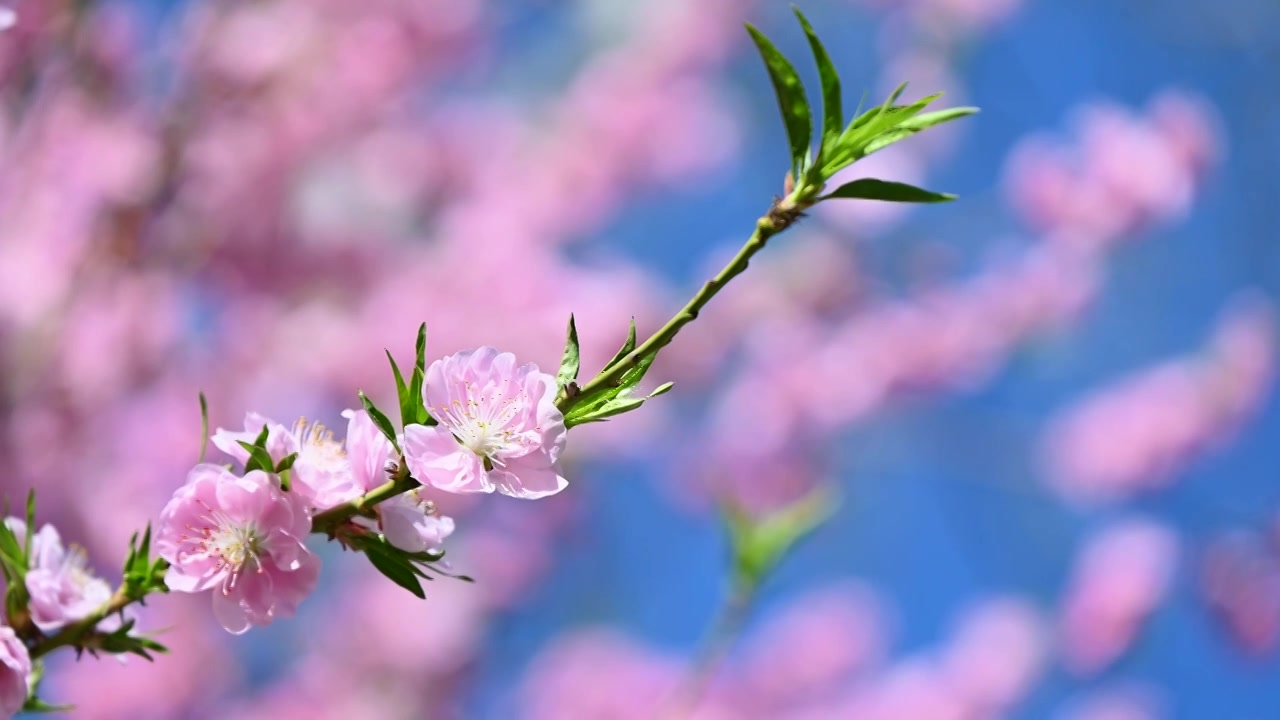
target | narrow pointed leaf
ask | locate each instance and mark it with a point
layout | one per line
(380, 420)
(872, 189)
(421, 415)
(204, 427)
(832, 110)
(408, 413)
(31, 527)
(261, 440)
(928, 120)
(791, 99)
(395, 567)
(570, 361)
(259, 459)
(662, 389)
(420, 348)
(627, 346)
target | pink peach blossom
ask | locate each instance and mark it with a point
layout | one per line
(322, 473)
(15, 672)
(241, 537)
(498, 427)
(61, 585)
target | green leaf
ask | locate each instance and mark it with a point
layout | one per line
(627, 347)
(616, 404)
(12, 558)
(759, 544)
(872, 189)
(420, 348)
(380, 420)
(662, 389)
(419, 415)
(144, 550)
(791, 100)
(286, 463)
(282, 470)
(861, 137)
(31, 527)
(928, 120)
(422, 416)
(259, 458)
(204, 427)
(34, 704)
(408, 413)
(832, 111)
(571, 359)
(261, 440)
(391, 563)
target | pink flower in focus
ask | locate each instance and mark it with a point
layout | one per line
(408, 521)
(16, 664)
(1119, 579)
(242, 538)
(61, 586)
(499, 427)
(368, 451)
(322, 474)
(412, 524)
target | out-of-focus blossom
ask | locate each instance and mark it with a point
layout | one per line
(1138, 433)
(598, 674)
(997, 654)
(813, 378)
(198, 668)
(1120, 577)
(62, 587)
(1240, 579)
(498, 427)
(15, 672)
(242, 538)
(818, 645)
(1123, 703)
(1125, 173)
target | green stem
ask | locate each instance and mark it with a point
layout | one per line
(73, 633)
(400, 482)
(713, 650)
(781, 216)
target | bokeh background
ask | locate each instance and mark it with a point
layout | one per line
(1047, 409)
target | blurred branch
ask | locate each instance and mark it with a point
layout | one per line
(715, 646)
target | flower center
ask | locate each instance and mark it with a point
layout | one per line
(75, 565)
(236, 544)
(319, 450)
(481, 423)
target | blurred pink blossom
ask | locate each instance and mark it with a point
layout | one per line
(16, 672)
(1141, 431)
(1119, 578)
(1240, 580)
(1125, 172)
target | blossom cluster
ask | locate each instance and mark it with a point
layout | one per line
(495, 427)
